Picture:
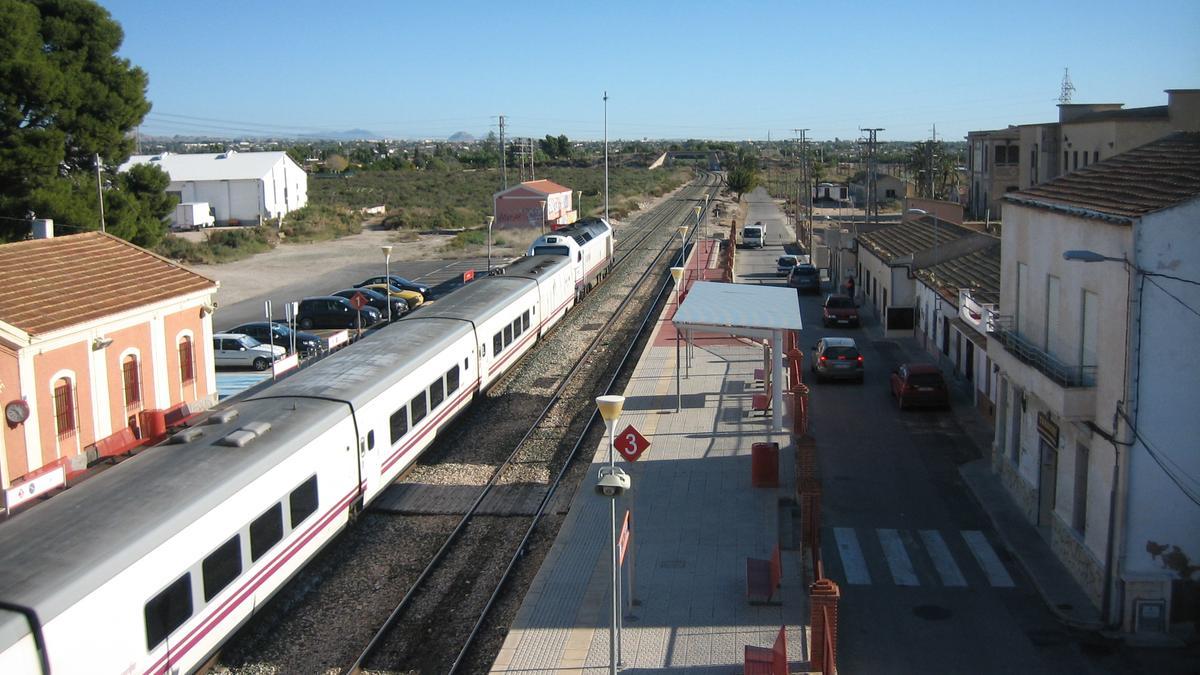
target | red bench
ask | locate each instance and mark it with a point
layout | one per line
(178, 416)
(764, 661)
(763, 578)
(761, 402)
(119, 443)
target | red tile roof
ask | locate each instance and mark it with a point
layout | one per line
(545, 186)
(1155, 176)
(54, 283)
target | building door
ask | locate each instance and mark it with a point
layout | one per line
(1047, 482)
(969, 366)
(1014, 436)
(1002, 418)
(946, 335)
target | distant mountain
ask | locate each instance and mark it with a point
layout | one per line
(461, 137)
(349, 135)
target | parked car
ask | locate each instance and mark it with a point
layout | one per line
(839, 310)
(402, 284)
(919, 384)
(332, 311)
(379, 301)
(231, 349)
(837, 358)
(306, 343)
(805, 279)
(412, 298)
(784, 265)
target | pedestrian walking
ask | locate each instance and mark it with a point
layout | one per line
(850, 287)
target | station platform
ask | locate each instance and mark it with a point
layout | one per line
(696, 518)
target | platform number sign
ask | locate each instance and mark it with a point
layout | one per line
(358, 301)
(630, 443)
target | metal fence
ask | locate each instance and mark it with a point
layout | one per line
(1003, 329)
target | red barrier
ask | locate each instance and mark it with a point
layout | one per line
(764, 465)
(824, 595)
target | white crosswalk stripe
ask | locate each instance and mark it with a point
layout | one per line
(897, 558)
(853, 562)
(987, 558)
(902, 555)
(943, 561)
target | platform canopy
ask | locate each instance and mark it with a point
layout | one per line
(738, 309)
(744, 310)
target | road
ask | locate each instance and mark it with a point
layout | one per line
(926, 587)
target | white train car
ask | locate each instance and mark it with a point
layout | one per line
(587, 243)
(151, 565)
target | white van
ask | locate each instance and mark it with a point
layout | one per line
(754, 236)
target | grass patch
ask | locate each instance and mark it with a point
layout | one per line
(220, 246)
(320, 222)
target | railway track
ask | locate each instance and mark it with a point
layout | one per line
(482, 506)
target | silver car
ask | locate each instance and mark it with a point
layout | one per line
(233, 349)
(837, 357)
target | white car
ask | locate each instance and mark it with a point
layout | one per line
(233, 349)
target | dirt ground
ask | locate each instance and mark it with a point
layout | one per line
(288, 263)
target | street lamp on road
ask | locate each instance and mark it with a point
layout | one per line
(490, 220)
(387, 278)
(610, 409)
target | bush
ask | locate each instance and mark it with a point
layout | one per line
(320, 222)
(220, 245)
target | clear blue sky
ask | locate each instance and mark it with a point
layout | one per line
(672, 69)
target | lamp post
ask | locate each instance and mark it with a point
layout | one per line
(610, 409)
(490, 220)
(677, 275)
(387, 278)
(683, 231)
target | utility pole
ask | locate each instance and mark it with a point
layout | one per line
(100, 193)
(532, 170)
(503, 154)
(807, 188)
(872, 179)
(606, 157)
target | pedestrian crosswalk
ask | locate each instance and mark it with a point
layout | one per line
(888, 556)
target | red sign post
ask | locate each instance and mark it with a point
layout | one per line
(358, 301)
(630, 443)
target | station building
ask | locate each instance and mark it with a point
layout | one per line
(535, 203)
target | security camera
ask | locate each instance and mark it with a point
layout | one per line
(612, 482)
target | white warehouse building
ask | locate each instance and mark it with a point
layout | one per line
(240, 187)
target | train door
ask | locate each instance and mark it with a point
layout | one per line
(371, 441)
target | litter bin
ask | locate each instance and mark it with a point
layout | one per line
(764, 464)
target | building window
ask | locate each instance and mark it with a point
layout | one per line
(891, 194)
(1079, 510)
(64, 408)
(131, 376)
(1085, 158)
(1064, 160)
(1095, 156)
(1075, 160)
(187, 366)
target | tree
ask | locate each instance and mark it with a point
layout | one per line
(743, 174)
(138, 206)
(919, 160)
(65, 98)
(556, 148)
(336, 163)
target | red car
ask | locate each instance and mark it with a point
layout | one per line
(839, 310)
(919, 384)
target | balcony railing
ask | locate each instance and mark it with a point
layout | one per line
(1003, 329)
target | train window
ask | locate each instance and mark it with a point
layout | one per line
(507, 335)
(525, 319)
(266, 531)
(371, 439)
(466, 362)
(517, 327)
(168, 610)
(419, 408)
(221, 567)
(437, 393)
(497, 344)
(452, 380)
(303, 501)
(399, 424)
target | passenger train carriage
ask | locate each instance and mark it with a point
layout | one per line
(151, 565)
(589, 245)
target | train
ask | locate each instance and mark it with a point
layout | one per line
(588, 243)
(150, 566)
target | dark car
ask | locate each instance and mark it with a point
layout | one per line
(805, 279)
(332, 311)
(839, 310)
(375, 299)
(400, 283)
(919, 384)
(837, 358)
(306, 343)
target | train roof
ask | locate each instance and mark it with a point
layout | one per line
(487, 296)
(55, 554)
(580, 232)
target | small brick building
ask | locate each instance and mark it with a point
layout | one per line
(535, 203)
(93, 332)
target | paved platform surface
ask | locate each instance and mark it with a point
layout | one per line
(696, 519)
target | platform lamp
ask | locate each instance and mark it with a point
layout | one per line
(610, 409)
(677, 275)
(490, 220)
(699, 210)
(387, 279)
(683, 230)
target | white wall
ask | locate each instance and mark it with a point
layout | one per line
(1159, 512)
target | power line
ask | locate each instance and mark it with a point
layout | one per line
(1149, 277)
